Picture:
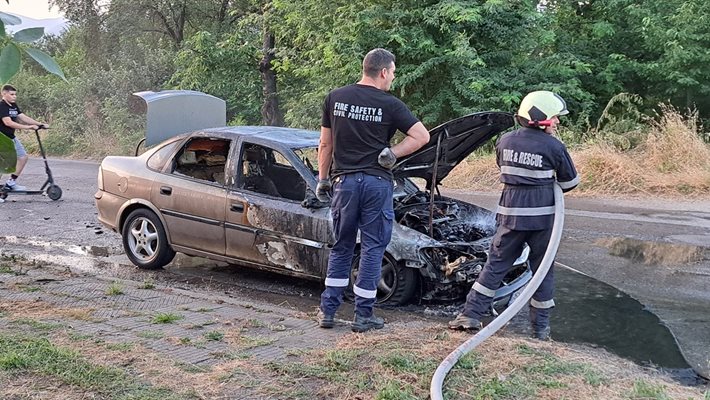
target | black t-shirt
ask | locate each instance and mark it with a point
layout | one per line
(8, 110)
(363, 119)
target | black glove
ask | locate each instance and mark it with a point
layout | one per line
(387, 158)
(323, 190)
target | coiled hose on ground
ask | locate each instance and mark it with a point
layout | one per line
(437, 381)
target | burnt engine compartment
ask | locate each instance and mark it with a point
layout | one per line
(450, 223)
(464, 232)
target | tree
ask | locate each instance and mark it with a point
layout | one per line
(10, 62)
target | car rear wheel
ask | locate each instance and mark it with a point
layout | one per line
(397, 284)
(145, 240)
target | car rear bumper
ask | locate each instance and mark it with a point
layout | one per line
(108, 207)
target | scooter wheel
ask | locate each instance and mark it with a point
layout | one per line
(54, 192)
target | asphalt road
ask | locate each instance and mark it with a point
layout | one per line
(658, 233)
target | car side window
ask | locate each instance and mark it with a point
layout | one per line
(267, 171)
(203, 158)
(158, 159)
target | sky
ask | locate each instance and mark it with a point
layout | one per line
(37, 9)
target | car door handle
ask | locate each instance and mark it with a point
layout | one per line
(237, 207)
(166, 190)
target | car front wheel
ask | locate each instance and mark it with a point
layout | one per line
(397, 284)
(145, 240)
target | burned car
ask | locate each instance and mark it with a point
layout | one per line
(245, 195)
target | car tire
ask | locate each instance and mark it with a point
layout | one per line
(145, 241)
(397, 284)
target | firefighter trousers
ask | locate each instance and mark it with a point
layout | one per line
(506, 247)
(363, 203)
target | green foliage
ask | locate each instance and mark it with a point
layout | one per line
(165, 318)
(8, 157)
(612, 60)
(225, 66)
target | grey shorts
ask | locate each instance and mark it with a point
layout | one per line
(19, 148)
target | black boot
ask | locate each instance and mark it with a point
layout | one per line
(540, 323)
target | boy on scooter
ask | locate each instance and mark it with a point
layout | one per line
(11, 118)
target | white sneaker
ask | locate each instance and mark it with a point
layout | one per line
(2, 200)
(14, 186)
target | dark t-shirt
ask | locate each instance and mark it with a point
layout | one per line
(8, 110)
(363, 119)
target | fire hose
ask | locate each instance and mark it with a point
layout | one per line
(437, 381)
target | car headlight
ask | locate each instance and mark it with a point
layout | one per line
(523, 256)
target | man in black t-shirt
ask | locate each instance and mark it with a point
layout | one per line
(11, 118)
(358, 122)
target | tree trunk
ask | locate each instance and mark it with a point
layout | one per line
(270, 112)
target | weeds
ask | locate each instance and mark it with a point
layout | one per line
(214, 336)
(114, 289)
(147, 284)
(165, 318)
(151, 335)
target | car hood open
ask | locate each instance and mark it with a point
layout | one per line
(453, 141)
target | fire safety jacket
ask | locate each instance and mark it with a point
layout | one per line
(530, 162)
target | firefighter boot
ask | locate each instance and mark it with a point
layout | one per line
(540, 323)
(325, 321)
(464, 323)
(364, 324)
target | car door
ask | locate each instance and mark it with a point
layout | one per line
(192, 194)
(287, 236)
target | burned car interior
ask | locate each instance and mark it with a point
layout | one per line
(266, 171)
(204, 159)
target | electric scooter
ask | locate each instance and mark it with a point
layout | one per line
(52, 191)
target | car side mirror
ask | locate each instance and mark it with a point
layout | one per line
(311, 201)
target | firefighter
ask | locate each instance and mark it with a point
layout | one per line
(531, 159)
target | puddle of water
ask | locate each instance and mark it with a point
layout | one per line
(653, 252)
(590, 311)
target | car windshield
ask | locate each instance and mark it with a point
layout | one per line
(309, 156)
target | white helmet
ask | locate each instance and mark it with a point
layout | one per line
(540, 106)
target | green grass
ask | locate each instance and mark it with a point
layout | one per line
(254, 323)
(6, 269)
(165, 318)
(30, 289)
(37, 325)
(214, 336)
(192, 368)
(250, 342)
(396, 391)
(147, 284)
(114, 289)
(401, 361)
(151, 335)
(79, 337)
(645, 391)
(22, 355)
(122, 347)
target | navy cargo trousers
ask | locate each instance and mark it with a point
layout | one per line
(361, 202)
(505, 248)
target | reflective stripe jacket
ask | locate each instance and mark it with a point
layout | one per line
(530, 161)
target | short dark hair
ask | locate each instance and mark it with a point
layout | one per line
(9, 88)
(375, 60)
